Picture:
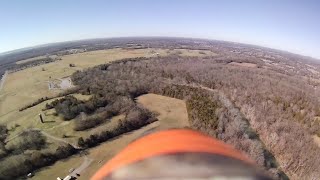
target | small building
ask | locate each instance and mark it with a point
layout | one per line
(69, 178)
(29, 175)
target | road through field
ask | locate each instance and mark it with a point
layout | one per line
(86, 162)
(56, 138)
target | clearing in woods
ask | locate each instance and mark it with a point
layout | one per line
(249, 65)
(31, 59)
(172, 113)
(28, 85)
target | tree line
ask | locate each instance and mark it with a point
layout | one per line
(272, 101)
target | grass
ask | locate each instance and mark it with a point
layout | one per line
(249, 65)
(316, 139)
(65, 166)
(66, 128)
(30, 59)
(100, 155)
(29, 118)
(26, 86)
(172, 114)
(193, 53)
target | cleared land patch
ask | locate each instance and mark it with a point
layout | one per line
(316, 140)
(30, 59)
(64, 83)
(31, 83)
(28, 85)
(172, 112)
(250, 65)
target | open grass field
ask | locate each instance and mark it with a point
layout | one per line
(249, 65)
(29, 118)
(172, 114)
(30, 59)
(28, 85)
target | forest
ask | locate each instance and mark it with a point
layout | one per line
(267, 113)
(263, 102)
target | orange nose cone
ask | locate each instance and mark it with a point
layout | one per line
(167, 142)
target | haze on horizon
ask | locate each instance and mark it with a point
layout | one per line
(286, 25)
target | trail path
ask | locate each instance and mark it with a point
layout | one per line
(86, 162)
(56, 138)
(47, 135)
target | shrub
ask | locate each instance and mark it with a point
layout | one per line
(92, 121)
(136, 118)
(27, 140)
(17, 165)
(3, 132)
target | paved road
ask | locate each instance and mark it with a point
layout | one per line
(3, 80)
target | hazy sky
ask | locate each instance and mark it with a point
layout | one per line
(289, 25)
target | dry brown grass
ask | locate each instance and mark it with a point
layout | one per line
(28, 85)
(172, 114)
(30, 59)
(250, 65)
(316, 140)
(100, 155)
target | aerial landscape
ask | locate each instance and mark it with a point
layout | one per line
(132, 85)
(69, 106)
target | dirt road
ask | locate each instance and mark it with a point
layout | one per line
(56, 138)
(86, 162)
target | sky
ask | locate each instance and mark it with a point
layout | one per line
(291, 25)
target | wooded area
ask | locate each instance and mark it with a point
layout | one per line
(281, 109)
(264, 104)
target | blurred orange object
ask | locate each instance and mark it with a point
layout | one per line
(168, 142)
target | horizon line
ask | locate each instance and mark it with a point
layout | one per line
(155, 36)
